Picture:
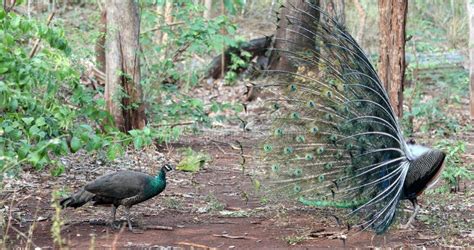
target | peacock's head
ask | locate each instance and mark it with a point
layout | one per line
(167, 167)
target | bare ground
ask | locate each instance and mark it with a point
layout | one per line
(213, 208)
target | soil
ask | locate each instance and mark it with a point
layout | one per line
(213, 208)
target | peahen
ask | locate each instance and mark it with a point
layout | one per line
(125, 188)
(334, 140)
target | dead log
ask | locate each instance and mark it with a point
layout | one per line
(257, 49)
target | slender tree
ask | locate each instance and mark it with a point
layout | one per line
(470, 11)
(392, 21)
(207, 11)
(122, 90)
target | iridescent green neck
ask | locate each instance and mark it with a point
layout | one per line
(158, 183)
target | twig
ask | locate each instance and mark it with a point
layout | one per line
(195, 245)
(160, 228)
(237, 237)
(35, 47)
(23, 235)
(114, 243)
(162, 26)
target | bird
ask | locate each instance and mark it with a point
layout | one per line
(334, 139)
(126, 188)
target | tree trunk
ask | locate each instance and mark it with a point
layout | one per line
(168, 16)
(285, 33)
(336, 9)
(207, 11)
(100, 44)
(470, 11)
(122, 89)
(392, 21)
(363, 19)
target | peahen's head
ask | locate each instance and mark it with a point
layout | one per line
(166, 168)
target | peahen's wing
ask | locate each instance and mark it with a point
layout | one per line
(335, 140)
(119, 185)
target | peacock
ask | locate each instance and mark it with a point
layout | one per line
(125, 188)
(334, 139)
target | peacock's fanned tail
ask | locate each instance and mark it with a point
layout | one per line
(334, 140)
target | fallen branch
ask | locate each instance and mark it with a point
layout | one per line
(160, 228)
(195, 245)
(238, 237)
(256, 47)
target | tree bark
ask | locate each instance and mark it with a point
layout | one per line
(122, 89)
(363, 19)
(336, 9)
(470, 11)
(207, 11)
(285, 33)
(100, 44)
(392, 21)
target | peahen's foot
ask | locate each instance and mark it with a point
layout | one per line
(115, 224)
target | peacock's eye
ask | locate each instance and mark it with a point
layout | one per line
(298, 172)
(329, 94)
(300, 139)
(293, 88)
(309, 157)
(328, 166)
(278, 132)
(276, 106)
(267, 148)
(314, 130)
(297, 188)
(311, 104)
(295, 115)
(328, 117)
(321, 178)
(320, 150)
(275, 168)
(288, 150)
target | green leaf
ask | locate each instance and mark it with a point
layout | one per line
(57, 170)
(114, 151)
(28, 120)
(138, 142)
(75, 144)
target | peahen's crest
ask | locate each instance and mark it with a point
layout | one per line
(334, 140)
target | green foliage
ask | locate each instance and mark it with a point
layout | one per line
(455, 168)
(192, 161)
(45, 111)
(172, 70)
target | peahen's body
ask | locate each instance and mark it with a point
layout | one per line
(335, 140)
(125, 188)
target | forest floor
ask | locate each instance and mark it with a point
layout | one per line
(215, 207)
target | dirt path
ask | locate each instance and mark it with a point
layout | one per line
(214, 208)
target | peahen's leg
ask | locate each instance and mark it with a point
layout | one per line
(127, 209)
(412, 217)
(114, 211)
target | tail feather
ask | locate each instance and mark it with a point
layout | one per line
(334, 138)
(77, 199)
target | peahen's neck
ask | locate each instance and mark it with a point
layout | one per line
(158, 183)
